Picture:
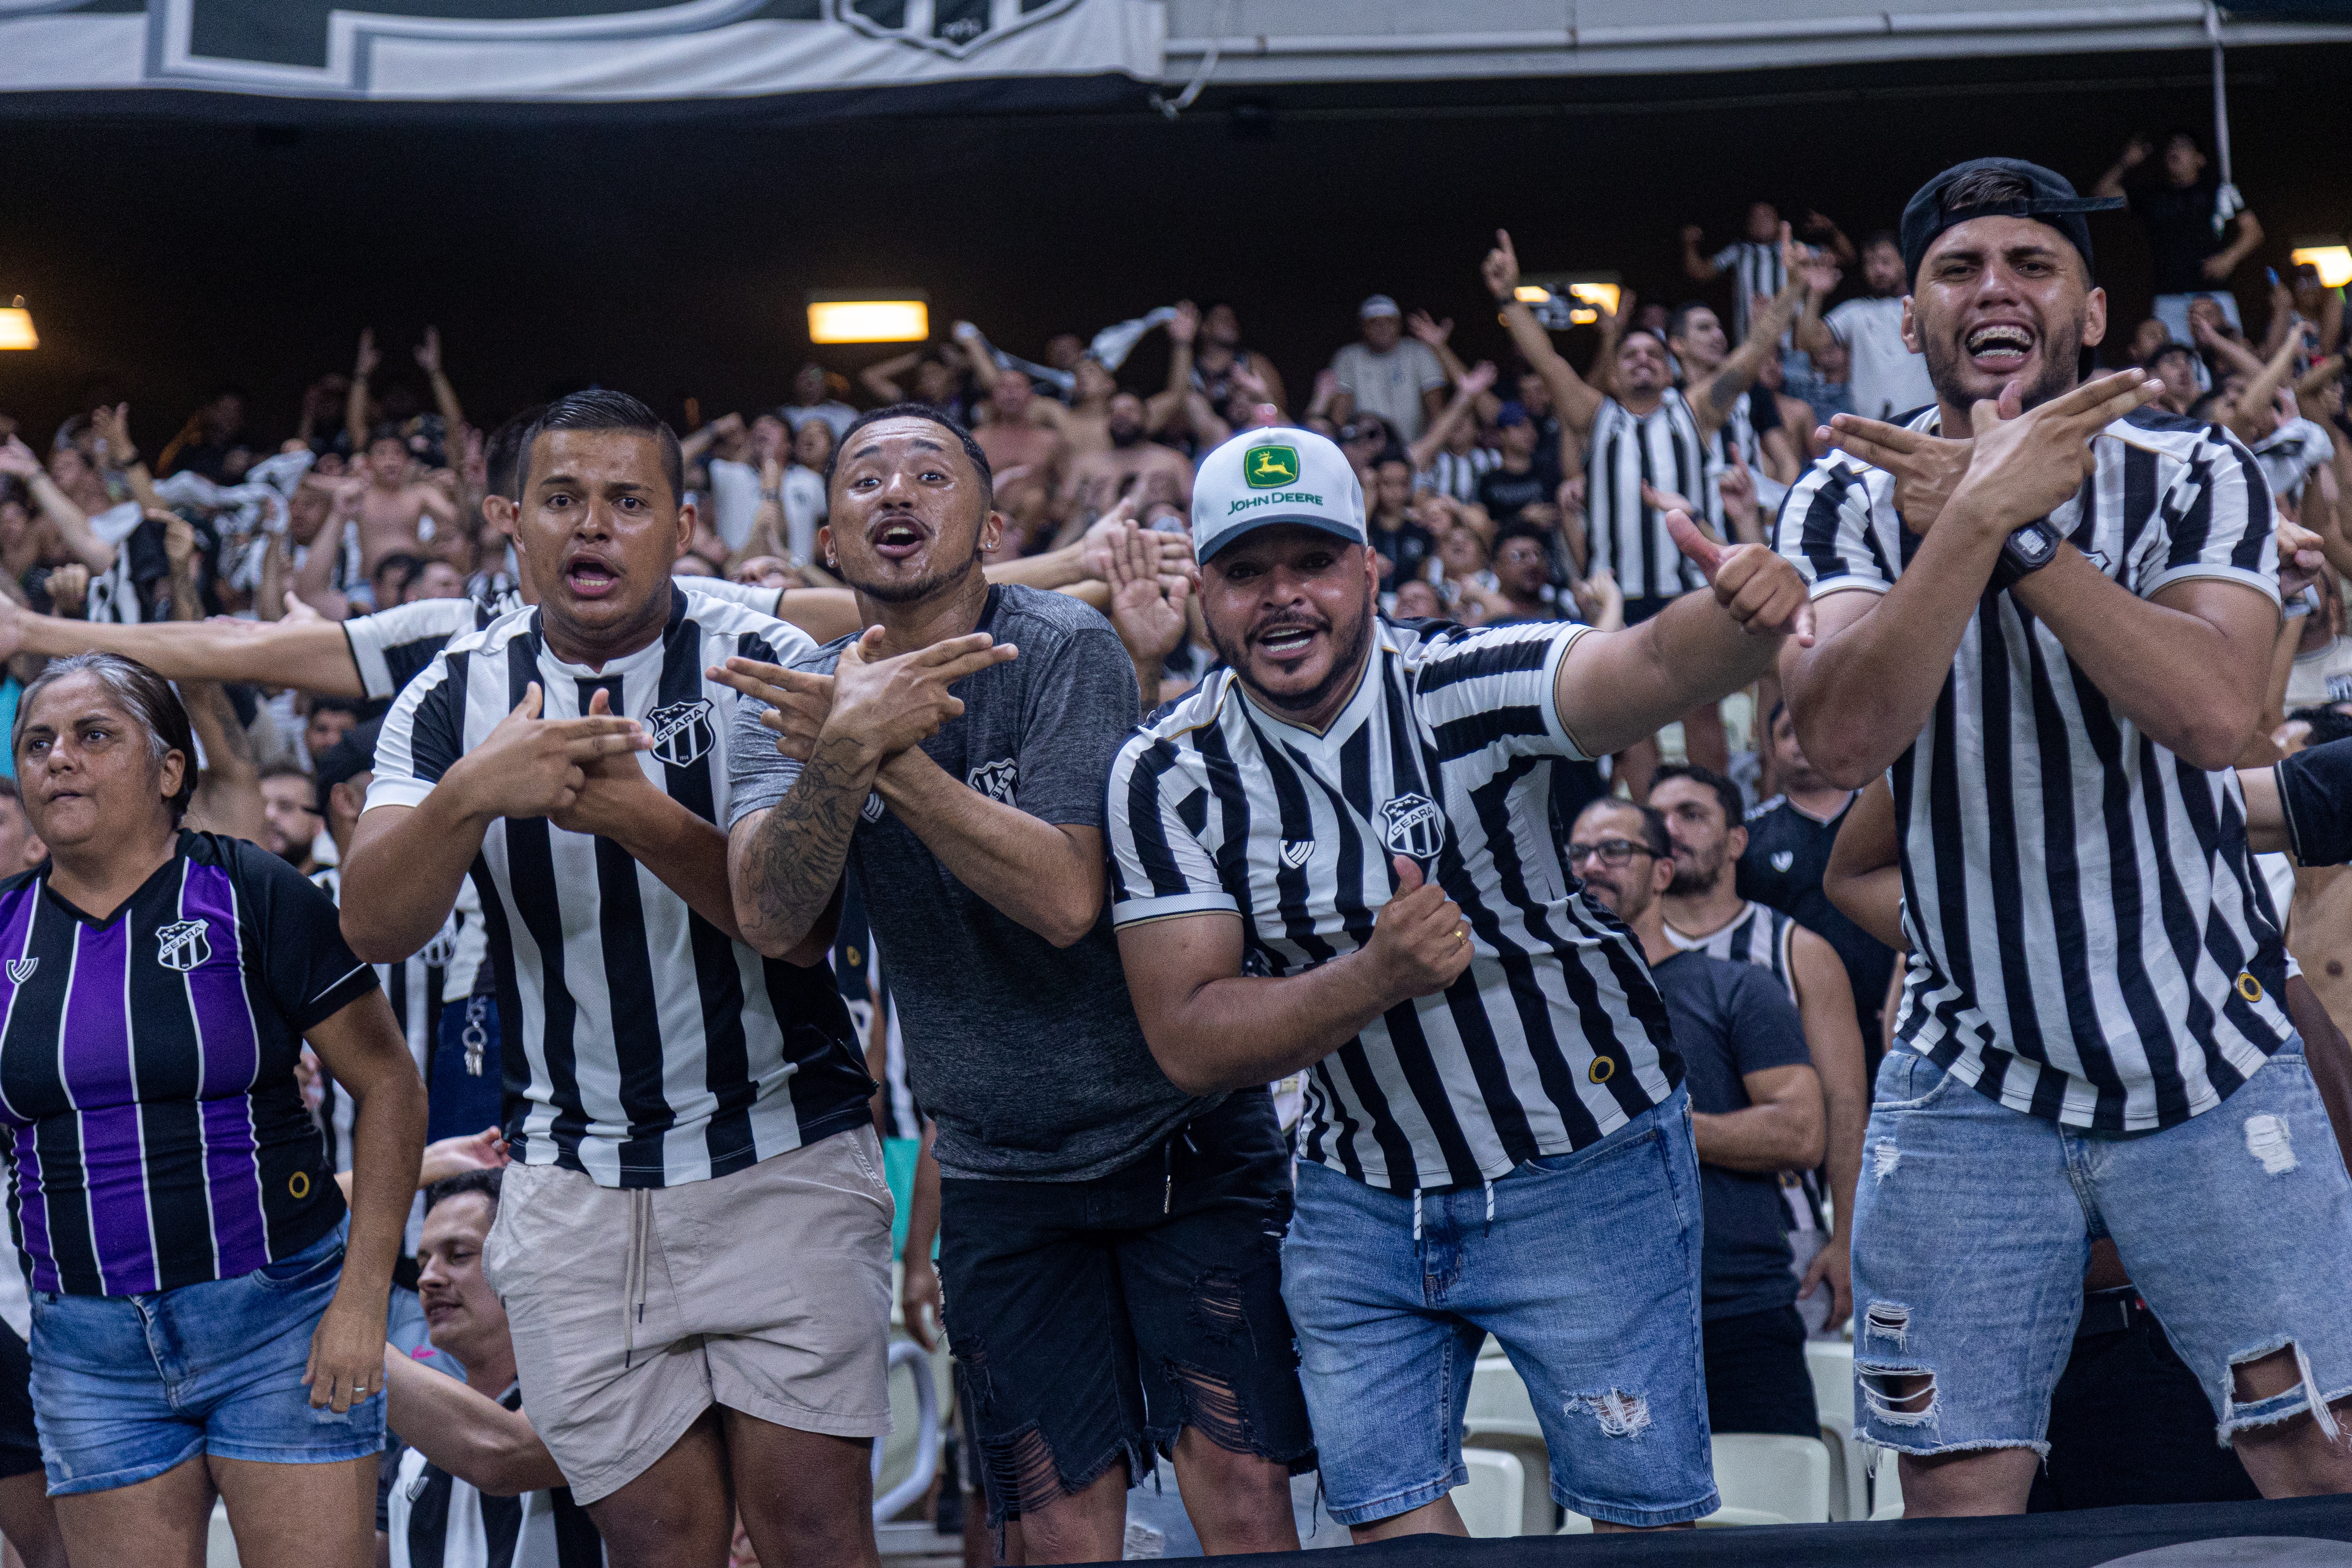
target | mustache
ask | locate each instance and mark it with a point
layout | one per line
(1288, 621)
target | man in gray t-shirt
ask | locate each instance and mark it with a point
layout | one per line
(1025, 1052)
(1109, 1244)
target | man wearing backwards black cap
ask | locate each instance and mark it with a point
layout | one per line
(2051, 633)
(1337, 857)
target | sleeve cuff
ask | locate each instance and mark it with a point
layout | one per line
(336, 997)
(1553, 726)
(2266, 586)
(375, 675)
(396, 791)
(1846, 582)
(1135, 912)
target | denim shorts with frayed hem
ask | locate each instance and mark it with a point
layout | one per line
(125, 1387)
(1585, 1266)
(1973, 1225)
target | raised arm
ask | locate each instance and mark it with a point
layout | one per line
(1579, 405)
(2249, 238)
(2250, 420)
(881, 381)
(355, 401)
(1467, 387)
(1697, 266)
(71, 523)
(1616, 688)
(310, 654)
(1766, 323)
(445, 396)
(2135, 152)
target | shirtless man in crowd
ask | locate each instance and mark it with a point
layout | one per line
(1029, 456)
(1128, 461)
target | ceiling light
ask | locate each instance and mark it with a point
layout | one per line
(900, 317)
(16, 326)
(2328, 255)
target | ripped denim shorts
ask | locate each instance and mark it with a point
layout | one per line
(1973, 1225)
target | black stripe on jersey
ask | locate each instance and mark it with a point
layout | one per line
(629, 983)
(1601, 535)
(531, 866)
(2248, 555)
(1645, 517)
(2139, 497)
(428, 1520)
(1819, 538)
(501, 1529)
(1232, 797)
(1503, 659)
(168, 1060)
(437, 737)
(1296, 824)
(1143, 789)
(38, 1019)
(727, 1137)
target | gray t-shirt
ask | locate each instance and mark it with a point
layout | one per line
(1028, 1055)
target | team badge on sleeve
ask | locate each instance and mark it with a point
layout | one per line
(182, 944)
(996, 780)
(682, 731)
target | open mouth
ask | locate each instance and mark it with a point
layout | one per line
(590, 578)
(2000, 346)
(1286, 642)
(897, 539)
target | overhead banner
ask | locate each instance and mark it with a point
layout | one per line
(580, 51)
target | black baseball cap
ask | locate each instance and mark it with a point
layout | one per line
(2050, 198)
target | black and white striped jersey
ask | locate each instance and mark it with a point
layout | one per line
(1665, 450)
(1455, 474)
(1553, 1036)
(433, 1520)
(391, 646)
(2088, 940)
(1756, 935)
(414, 986)
(1755, 267)
(655, 1049)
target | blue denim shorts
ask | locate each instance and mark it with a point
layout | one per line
(1973, 1225)
(125, 1387)
(1585, 1266)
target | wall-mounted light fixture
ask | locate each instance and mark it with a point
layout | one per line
(895, 316)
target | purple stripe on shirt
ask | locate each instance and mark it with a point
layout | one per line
(232, 1061)
(32, 1200)
(97, 1069)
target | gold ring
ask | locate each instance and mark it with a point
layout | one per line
(1461, 935)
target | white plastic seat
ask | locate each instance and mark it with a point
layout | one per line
(1831, 1363)
(1887, 1490)
(1489, 1503)
(1771, 1473)
(1501, 1416)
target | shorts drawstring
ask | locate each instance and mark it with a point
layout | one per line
(1416, 1216)
(632, 1306)
(1490, 1205)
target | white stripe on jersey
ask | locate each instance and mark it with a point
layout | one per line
(1664, 448)
(1759, 935)
(1756, 268)
(1552, 1038)
(653, 1043)
(2088, 942)
(1455, 474)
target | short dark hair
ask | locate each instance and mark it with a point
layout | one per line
(598, 409)
(407, 563)
(2327, 723)
(147, 696)
(355, 705)
(917, 411)
(387, 432)
(2169, 351)
(1681, 315)
(2203, 406)
(1727, 794)
(1985, 187)
(483, 1182)
(1656, 838)
(347, 759)
(1886, 237)
(503, 452)
(1392, 453)
(1517, 530)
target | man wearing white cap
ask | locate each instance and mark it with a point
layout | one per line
(1336, 857)
(1398, 378)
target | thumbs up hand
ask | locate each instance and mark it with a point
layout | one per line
(1765, 595)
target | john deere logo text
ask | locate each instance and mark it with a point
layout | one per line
(1271, 466)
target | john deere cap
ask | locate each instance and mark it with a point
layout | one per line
(1281, 475)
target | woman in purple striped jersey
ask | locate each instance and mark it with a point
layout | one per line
(207, 1314)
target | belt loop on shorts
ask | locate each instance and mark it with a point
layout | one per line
(1490, 1205)
(633, 1305)
(1416, 1216)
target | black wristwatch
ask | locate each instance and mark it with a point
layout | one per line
(2026, 550)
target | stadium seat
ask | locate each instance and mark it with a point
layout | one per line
(1770, 1478)
(1502, 1417)
(1831, 1363)
(1886, 1489)
(1489, 1503)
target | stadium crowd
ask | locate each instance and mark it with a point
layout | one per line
(1826, 819)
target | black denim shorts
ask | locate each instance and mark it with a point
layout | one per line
(1093, 1321)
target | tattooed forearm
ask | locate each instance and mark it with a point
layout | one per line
(795, 858)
